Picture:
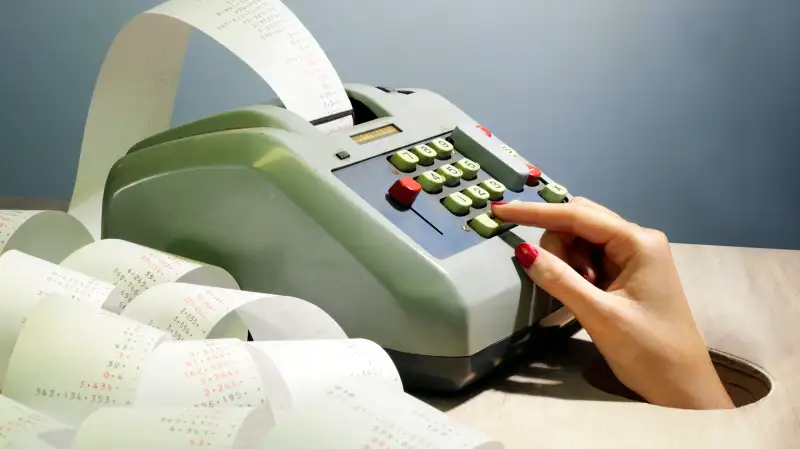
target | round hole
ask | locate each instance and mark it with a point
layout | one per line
(745, 383)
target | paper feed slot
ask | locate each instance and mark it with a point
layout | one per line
(268, 115)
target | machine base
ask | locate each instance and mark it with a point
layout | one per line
(421, 373)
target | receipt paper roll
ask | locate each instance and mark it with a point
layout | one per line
(184, 428)
(359, 414)
(72, 359)
(135, 268)
(25, 279)
(135, 90)
(46, 234)
(196, 312)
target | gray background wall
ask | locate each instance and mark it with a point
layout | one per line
(682, 115)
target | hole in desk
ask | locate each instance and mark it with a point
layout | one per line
(746, 384)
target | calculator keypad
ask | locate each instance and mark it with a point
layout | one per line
(439, 196)
(456, 182)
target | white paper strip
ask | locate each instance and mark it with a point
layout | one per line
(25, 279)
(136, 87)
(360, 414)
(307, 368)
(72, 359)
(135, 268)
(148, 428)
(48, 235)
(207, 373)
(22, 427)
(195, 312)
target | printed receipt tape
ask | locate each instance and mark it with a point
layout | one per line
(22, 427)
(135, 268)
(48, 235)
(185, 428)
(135, 90)
(196, 312)
(25, 279)
(305, 368)
(72, 359)
(276, 374)
(358, 414)
(209, 373)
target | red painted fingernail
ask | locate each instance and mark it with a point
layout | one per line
(526, 254)
(498, 203)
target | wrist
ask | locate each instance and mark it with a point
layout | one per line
(699, 389)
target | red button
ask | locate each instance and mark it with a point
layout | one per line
(485, 131)
(534, 175)
(405, 191)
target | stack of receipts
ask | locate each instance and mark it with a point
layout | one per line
(115, 345)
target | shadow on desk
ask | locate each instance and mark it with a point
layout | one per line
(573, 370)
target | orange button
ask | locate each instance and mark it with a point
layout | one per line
(484, 130)
(534, 175)
(404, 191)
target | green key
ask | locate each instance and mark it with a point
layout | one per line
(443, 148)
(553, 193)
(469, 168)
(431, 181)
(502, 226)
(484, 225)
(452, 175)
(510, 150)
(478, 195)
(404, 160)
(425, 154)
(457, 203)
(495, 189)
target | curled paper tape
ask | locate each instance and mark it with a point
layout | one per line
(303, 369)
(22, 427)
(48, 235)
(207, 373)
(25, 279)
(195, 312)
(135, 90)
(277, 375)
(358, 414)
(71, 359)
(186, 428)
(135, 268)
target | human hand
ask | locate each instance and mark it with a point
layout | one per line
(620, 282)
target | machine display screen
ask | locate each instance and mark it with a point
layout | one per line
(375, 134)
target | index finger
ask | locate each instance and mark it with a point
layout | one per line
(588, 223)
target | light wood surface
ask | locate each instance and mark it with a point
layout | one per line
(24, 203)
(747, 304)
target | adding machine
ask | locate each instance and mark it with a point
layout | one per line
(386, 225)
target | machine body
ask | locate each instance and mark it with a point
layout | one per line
(386, 225)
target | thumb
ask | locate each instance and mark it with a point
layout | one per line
(560, 280)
